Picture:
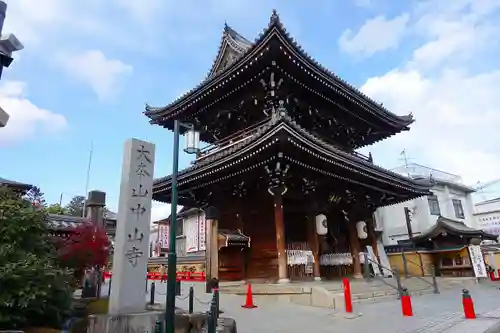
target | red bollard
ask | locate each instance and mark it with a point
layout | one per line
(406, 303)
(347, 295)
(468, 305)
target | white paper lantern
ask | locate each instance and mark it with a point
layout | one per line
(321, 225)
(192, 141)
(361, 228)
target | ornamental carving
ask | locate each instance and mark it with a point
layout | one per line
(277, 172)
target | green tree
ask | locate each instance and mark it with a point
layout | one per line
(75, 206)
(35, 288)
(56, 209)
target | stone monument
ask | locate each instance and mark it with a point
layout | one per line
(132, 231)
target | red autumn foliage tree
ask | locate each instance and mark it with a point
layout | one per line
(88, 247)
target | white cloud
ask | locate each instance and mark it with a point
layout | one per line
(26, 118)
(93, 68)
(160, 211)
(376, 35)
(457, 107)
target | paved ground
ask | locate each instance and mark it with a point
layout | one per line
(432, 313)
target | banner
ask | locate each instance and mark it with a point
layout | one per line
(202, 232)
(191, 232)
(164, 236)
(477, 261)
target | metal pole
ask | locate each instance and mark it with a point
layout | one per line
(172, 255)
(88, 178)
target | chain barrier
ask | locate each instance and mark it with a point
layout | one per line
(202, 302)
(180, 298)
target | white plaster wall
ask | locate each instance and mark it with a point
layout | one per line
(487, 206)
(487, 216)
(392, 218)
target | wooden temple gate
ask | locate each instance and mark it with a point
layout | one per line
(283, 164)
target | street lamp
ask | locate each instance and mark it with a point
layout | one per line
(192, 147)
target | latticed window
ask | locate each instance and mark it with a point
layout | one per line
(459, 210)
(433, 205)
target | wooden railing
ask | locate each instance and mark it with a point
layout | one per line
(234, 139)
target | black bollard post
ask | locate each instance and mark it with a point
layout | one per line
(191, 299)
(434, 280)
(109, 286)
(152, 297)
(216, 300)
(212, 321)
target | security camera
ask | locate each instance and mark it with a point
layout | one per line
(4, 118)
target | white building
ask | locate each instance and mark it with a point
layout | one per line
(190, 233)
(488, 216)
(451, 199)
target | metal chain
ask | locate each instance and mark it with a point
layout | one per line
(161, 294)
(182, 298)
(202, 302)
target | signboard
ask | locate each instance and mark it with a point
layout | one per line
(202, 232)
(477, 261)
(191, 232)
(164, 236)
(373, 260)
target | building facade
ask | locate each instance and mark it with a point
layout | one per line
(450, 199)
(281, 177)
(487, 216)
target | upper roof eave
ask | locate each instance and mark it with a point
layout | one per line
(275, 27)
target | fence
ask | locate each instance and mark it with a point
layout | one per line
(181, 276)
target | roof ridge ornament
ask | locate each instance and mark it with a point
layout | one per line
(274, 19)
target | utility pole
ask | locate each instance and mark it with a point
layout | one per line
(88, 177)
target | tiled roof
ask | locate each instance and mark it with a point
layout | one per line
(12, 183)
(61, 222)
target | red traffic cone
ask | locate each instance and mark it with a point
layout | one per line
(249, 299)
(406, 304)
(468, 305)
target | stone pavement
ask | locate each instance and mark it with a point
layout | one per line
(432, 313)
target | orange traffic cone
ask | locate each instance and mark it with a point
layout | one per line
(249, 299)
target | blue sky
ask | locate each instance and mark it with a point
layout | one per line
(89, 67)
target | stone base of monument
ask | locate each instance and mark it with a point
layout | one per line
(145, 322)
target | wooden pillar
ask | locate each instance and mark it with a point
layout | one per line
(372, 237)
(314, 242)
(355, 249)
(212, 247)
(279, 222)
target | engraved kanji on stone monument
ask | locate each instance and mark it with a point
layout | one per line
(133, 255)
(130, 256)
